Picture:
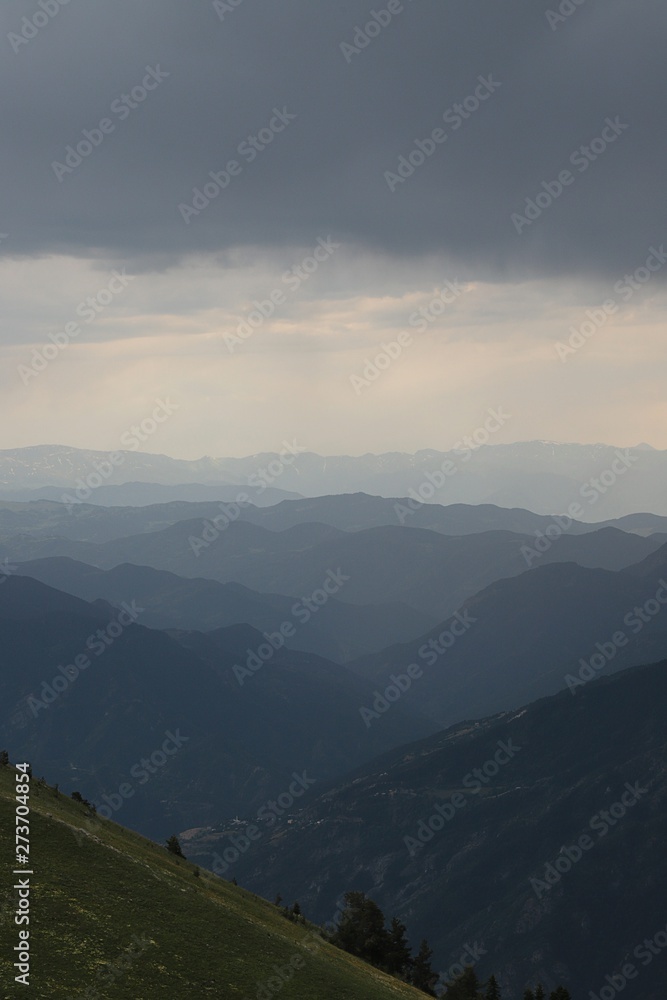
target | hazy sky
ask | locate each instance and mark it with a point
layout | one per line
(402, 140)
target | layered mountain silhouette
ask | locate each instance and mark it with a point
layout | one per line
(545, 476)
(89, 522)
(432, 707)
(335, 630)
(90, 692)
(524, 637)
(431, 572)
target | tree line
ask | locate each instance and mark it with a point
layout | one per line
(362, 931)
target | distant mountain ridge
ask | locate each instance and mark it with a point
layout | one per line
(431, 572)
(540, 475)
(528, 634)
(337, 631)
(346, 511)
(144, 494)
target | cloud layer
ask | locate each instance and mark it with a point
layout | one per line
(361, 100)
(485, 176)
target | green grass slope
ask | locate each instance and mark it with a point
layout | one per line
(115, 915)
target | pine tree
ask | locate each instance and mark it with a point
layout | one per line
(464, 987)
(493, 990)
(422, 975)
(528, 995)
(174, 847)
(399, 958)
(560, 994)
(4, 758)
(539, 992)
(361, 929)
(373, 932)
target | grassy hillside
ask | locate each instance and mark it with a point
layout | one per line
(115, 915)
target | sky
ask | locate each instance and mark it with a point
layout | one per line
(360, 226)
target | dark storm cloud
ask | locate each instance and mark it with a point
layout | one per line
(356, 114)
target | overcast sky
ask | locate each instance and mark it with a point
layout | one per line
(403, 141)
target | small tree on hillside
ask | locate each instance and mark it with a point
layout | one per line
(174, 847)
(492, 990)
(4, 758)
(361, 929)
(422, 975)
(399, 957)
(78, 797)
(464, 987)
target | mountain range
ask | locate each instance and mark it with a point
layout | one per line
(432, 573)
(548, 477)
(526, 635)
(326, 694)
(337, 631)
(347, 512)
